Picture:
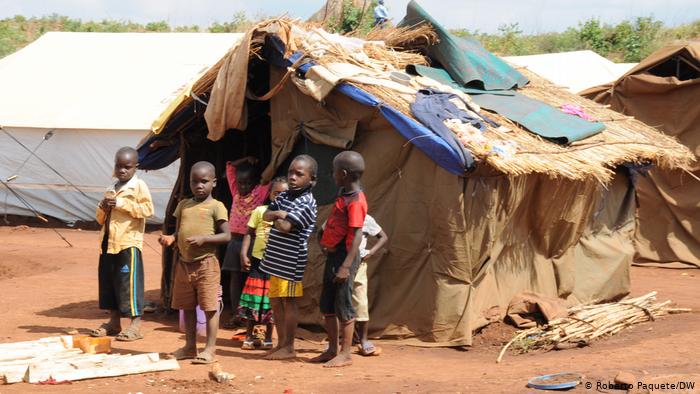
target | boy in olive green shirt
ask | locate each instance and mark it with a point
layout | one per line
(201, 225)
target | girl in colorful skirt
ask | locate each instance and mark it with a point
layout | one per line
(254, 306)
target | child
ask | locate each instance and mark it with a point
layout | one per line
(359, 292)
(246, 195)
(293, 214)
(340, 240)
(122, 214)
(255, 303)
(201, 225)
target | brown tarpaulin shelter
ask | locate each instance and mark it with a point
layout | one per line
(460, 246)
(664, 92)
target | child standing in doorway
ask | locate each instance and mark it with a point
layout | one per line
(255, 303)
(340, 241)
(293, 214)
(247, 194)
(359, 292)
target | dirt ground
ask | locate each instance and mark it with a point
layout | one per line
(47, 287)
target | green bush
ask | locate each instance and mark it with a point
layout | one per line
(628, 41)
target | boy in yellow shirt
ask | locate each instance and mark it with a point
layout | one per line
(122, 214)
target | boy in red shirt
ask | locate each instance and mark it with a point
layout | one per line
(340, 241)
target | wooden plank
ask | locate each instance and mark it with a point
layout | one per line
(42, 357)
(55, 357)
(110, 365)
(14, 371)
(13, 374)
(103, 372)
(65, 340)
(45, 369)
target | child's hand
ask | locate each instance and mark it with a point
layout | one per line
(342, 275)
(166, 240)
(197, 240)
(280, 214)
(368, 255)
(326, 250)
(108, 203)
(245, 263)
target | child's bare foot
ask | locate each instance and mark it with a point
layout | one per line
(185, 353)
(341, 360)
(270, 351)
(283, 353)
(324, 357)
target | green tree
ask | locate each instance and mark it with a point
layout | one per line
(355, 20)
(160, 26)
(238, 23)
(593, 35)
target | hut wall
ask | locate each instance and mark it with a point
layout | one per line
(461, 248)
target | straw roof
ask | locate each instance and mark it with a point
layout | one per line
(624, 140)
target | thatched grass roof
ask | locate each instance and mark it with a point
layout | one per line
(624, 140)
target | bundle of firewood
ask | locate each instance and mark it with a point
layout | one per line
(588, 322)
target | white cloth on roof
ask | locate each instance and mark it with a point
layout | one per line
(320, 80)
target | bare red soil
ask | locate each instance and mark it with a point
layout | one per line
(47, 287)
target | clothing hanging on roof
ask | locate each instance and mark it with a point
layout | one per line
(433, 107)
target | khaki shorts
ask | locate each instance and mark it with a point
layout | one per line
(197, 283)
(282, 288)
(359, 294)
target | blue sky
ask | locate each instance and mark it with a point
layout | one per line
(534, 16)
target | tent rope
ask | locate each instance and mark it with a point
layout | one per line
(47, 165)
(34, 211)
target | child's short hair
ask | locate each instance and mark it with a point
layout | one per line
(246, 169)
(351, 162)
(279, 179)
(203, 165)
(127, 150)
(313, 165)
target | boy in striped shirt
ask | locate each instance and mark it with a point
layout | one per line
(293, 214)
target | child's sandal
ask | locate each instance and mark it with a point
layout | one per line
(267, 345)
(248, 345)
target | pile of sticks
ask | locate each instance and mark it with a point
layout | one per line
(588, 322)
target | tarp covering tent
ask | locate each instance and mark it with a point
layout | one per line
(547, 218)
(664, 91)
(95, 92)
(575, 71)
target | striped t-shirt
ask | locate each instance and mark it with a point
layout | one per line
(287, 253)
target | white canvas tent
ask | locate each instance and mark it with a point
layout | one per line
(97, 92)
(576, 71)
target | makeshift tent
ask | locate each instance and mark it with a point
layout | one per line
(575, 71)
(664, 91)
(73, 99)
(542, 217)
